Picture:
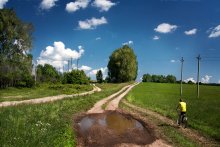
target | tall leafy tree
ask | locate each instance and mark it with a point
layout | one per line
(47, 73)
(99, 76)
(123, 65)
(15, 43)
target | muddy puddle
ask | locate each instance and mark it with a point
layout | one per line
(111, 128)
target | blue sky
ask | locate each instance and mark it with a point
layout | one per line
(159, 31)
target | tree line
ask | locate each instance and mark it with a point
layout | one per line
(159, 78)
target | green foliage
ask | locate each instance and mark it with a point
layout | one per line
(159, 78)
(75, 77)
(163, 98)
(47, 73)
(123, 65)
(99, 76)
(15, 42)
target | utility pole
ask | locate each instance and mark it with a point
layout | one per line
(63, 68)
(181, 82)
(198, 58)
(77, 63)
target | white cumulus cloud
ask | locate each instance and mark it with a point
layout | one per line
(190, 79)
(58, 55)
(128, 43)
(156, 38)
(2, 3)
(191, 32)
(74, 6)
(103, 5)
(215, 32)
(219, 81)
(165, 28)
(85, 68)
(47, 4)
(206, 79)
(92, 23)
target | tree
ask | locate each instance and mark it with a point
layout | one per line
(159, 78)
(15, 42)
(171, 79)
(99, 76)
(47, 73)
(75, 77)
(123, 65)
(146, 78)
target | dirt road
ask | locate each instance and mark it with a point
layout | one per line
(113, 105)
(48, 99)
(101, 117)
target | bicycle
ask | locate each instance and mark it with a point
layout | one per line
(183, 119)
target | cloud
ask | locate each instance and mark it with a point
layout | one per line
(98, 38)
(219, 81)
(103, 5)
(92, 73)
(47, 4)
(165, 28)
(128, 43)
(2, 3)
(74, 6)
(58, 56)
(215, 32)
(206, 79)
(92, 23)
(174, 61)
(190, 79)
(156, 38)
(191, 32)
(85, 68)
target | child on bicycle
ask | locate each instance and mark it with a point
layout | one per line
(182, 110)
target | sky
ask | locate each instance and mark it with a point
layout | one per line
(160, 32)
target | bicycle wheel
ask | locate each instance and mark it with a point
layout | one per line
(185, 122)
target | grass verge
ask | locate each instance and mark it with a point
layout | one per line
(49, 124)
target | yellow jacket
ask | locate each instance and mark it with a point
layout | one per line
(182, 106)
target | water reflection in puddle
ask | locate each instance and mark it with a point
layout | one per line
(114, 121)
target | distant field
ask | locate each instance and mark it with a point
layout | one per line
(49, 124)
(203, 113)
(44, 90)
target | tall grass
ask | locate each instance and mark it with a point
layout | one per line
(203, 112)
(49, 124)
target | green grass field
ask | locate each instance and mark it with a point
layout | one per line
(203, 113)
(49, 124)
(43, 90)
